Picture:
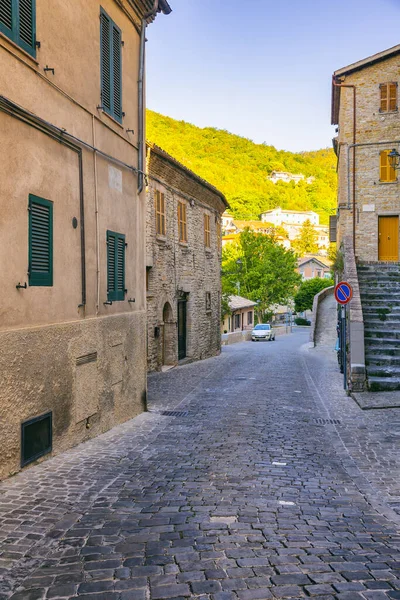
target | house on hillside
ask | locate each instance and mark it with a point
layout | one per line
(183, 263)
(241, 317)
(365, 110)
(72, 206)
(312, 266)
(286, 177)
(279, 216)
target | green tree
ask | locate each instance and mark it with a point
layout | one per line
(259, 268)
(304, 298)
(306, 242)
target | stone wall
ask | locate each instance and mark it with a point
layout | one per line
(373, 198)
(182, 271)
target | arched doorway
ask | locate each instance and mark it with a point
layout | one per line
(168, 348)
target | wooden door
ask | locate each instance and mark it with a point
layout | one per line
(388, 240)
(181, 329)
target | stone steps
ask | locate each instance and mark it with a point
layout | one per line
(380, 298)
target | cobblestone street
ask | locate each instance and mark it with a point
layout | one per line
(253, 476)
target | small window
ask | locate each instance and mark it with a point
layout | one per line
(207, 231)
(36, 438)
(40, 258)
(160, 213)
(387, 173)
(182, 224)
(237, 321)
(110, 67)
(18, 22)
(148, 269)
(115, 266)
(250, 317)
(388, 93)
(208, 301)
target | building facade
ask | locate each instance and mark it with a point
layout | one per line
(279, 216)
(72, 219)
(365, 111)
(310, 267)
(183, 253)
(241, 317)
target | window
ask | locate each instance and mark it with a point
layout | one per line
(182, 225)
(160, 213)
(250, 317)
(40, 258)
(207, 231)
(148, 269)
(388, 97)
(115, 266)
(208, 301)
(237, 321)
(36, 438)
(387, 173)
(18, 22)
(110, 67)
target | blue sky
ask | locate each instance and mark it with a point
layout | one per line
(261, 68)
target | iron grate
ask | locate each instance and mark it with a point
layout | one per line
(171, 413)
(320, 421)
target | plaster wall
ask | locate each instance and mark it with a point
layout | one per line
(43, 330)
(373, 198)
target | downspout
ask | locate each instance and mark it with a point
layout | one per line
(152, 13)
(353, 87)
(96, 211)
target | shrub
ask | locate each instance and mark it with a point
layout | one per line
(301, 321)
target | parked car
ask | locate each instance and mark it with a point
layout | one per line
(263, 331)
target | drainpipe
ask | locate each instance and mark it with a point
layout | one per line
(152, 13)
(353, 87)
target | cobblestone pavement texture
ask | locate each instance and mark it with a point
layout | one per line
(271, 483)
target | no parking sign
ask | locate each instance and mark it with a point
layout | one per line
(343, 292)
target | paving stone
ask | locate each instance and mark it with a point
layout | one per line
(170, 591)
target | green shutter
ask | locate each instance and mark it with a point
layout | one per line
(6, 17)
(40, 241)
(18, 22)
(110, 67)
(115, 266)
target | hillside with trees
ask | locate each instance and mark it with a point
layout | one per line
(240, 168)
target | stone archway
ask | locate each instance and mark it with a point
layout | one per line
(169, 334)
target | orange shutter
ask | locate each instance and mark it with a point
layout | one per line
(384, 98)
(384, 166)
(392, 96)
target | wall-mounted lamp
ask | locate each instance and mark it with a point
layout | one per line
(19, 286)
(394, 159)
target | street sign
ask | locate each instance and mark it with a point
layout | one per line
(343, 292)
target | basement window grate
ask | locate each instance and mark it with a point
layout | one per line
(320, 421)
(174, 413)
(36, 438)
(87, 358)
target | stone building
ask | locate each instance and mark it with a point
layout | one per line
(72, 219)
(365, 111)
(183, 251)
(281, 216)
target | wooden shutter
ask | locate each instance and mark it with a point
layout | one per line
(384, 167)
(160, 213)
(18, 22)
(384, 97)
(26, 21)
(117, 72)
(115, 266)
(332, 228)
(40, 241)
(110, 67)
(6, 16)
(105, 61)
(392, 96)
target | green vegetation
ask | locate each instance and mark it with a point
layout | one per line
(259, 268)
(306, 243)
(239, 168)
(301, 321)
(304, 298)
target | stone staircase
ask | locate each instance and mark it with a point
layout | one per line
(380, 297)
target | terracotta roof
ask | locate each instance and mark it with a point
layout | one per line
(357, 66)
(237, 302)
(191, 174)
(324, 262)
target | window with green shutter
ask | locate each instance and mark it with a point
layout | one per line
(18, 22)
(110, 66)
(40, 241)
(115, 266)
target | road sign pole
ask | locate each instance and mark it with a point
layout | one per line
(344, 345)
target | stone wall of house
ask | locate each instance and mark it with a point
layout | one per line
(373, 198)
(182, 271)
